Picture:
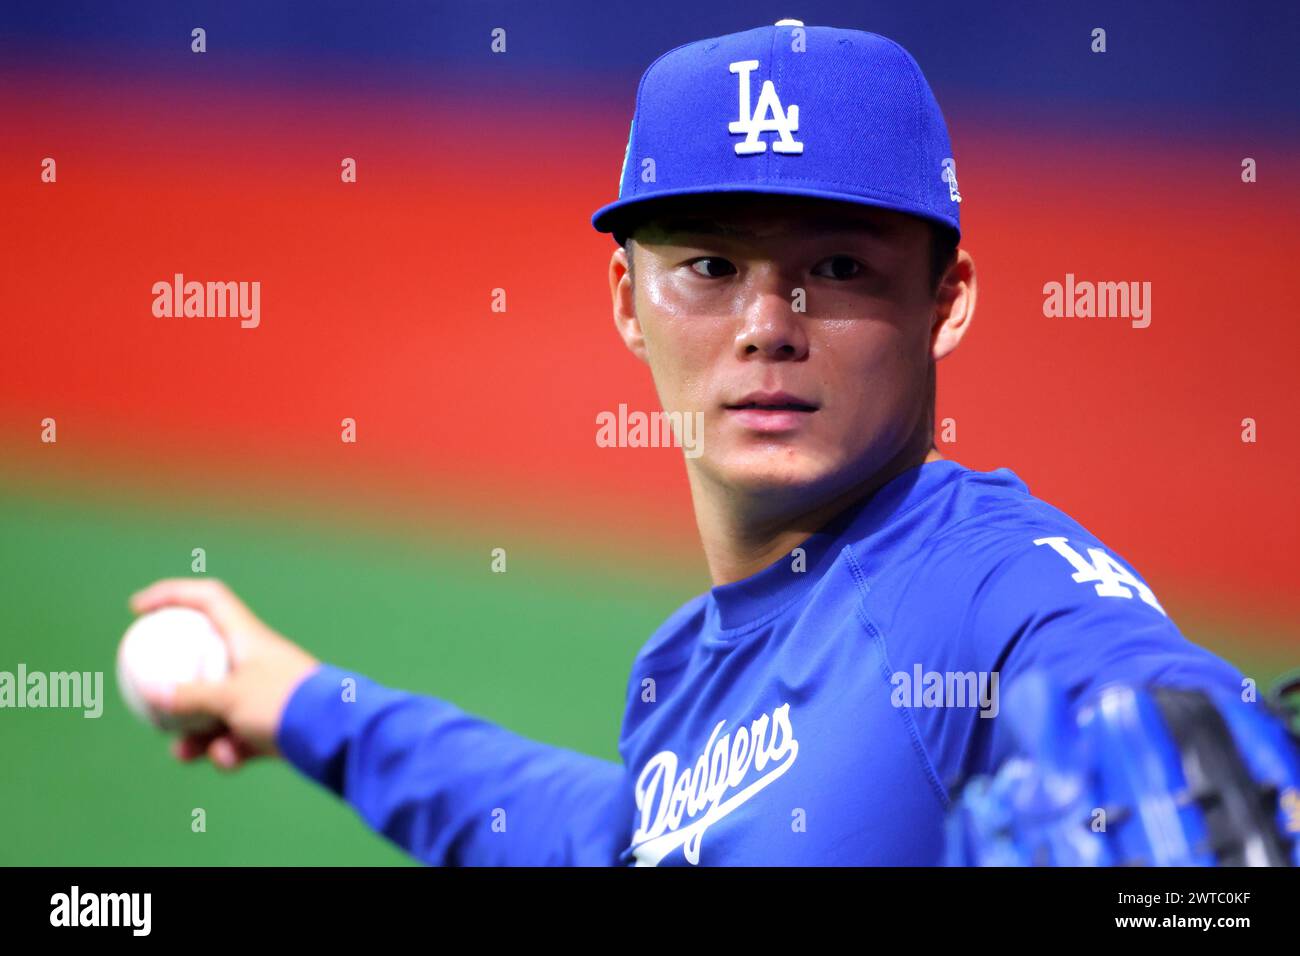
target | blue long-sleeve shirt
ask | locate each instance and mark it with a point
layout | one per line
(817, 712)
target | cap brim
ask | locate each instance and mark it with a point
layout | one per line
(622, 215)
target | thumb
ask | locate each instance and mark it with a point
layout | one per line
(208, 698)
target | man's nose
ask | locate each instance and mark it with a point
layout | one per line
(770, 326)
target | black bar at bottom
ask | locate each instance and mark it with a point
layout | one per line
(328, 905)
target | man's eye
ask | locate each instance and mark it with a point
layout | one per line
(838, 267)
(713, 267)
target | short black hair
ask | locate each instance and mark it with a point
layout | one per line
(943, 249)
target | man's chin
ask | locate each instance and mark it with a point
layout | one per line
(775, 474)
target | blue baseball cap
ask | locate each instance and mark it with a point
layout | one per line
(788, 110)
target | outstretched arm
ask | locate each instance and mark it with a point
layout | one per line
(448, 787)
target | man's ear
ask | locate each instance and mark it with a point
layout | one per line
(624, 301)
(954, 305)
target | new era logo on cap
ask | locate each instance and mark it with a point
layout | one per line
(792, 110)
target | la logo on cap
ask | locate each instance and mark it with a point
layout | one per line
(768, 116)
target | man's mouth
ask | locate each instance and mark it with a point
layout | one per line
(773, 401)
(771, 406)
(771, 411)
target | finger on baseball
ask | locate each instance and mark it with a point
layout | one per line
(208, 595)
(207, 698)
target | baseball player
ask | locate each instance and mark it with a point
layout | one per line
(788, 268)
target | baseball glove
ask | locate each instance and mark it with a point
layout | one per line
(1156, 776)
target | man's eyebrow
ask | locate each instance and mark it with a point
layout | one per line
(699, 225)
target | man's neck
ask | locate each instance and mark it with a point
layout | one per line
(740, 541)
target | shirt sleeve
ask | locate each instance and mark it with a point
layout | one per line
(448, 787)
(1073, 611)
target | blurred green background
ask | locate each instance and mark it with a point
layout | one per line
(544, 649)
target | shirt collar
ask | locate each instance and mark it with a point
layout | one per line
(748, 602)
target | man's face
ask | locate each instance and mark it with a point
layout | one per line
(800, 328)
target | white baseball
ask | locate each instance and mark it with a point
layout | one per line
(170, 646)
